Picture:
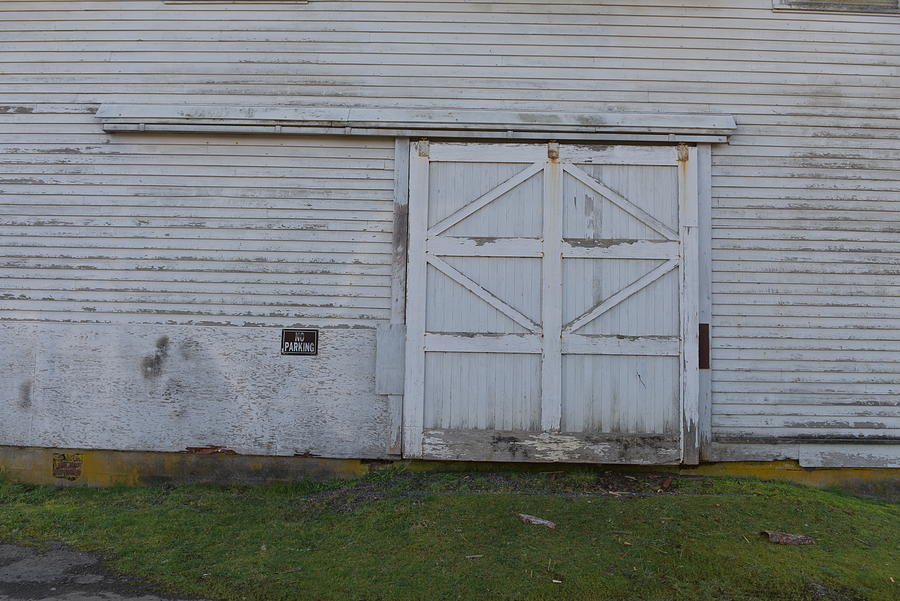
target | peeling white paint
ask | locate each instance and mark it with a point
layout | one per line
(558, 447)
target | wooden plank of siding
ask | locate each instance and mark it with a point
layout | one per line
(878, 456)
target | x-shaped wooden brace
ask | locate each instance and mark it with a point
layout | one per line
(594, 312)
(642, 216)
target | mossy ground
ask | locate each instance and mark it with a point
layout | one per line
(397, 535)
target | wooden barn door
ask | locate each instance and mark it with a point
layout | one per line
(552, 303)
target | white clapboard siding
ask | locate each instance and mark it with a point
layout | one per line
(152, 232)
(805, 196)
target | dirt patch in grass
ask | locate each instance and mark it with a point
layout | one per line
(400, 484)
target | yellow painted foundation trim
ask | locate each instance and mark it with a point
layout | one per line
(68, 467)
(790, 470)
(783, 470)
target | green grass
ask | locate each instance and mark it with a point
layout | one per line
(398, 536)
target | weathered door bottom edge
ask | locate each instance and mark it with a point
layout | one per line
(546, 447)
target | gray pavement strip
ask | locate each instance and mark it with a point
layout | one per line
(53, 572)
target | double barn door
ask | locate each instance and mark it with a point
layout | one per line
(552, 303)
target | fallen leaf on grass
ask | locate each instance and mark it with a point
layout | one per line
(289, 571)
(626, 543)
(532, 519)
(785, 538)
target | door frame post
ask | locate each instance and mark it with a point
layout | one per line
(399, 244)
(688, 203)
(417, 271)
(704, 228)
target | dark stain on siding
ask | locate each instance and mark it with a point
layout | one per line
(25, 394)
(152, 365)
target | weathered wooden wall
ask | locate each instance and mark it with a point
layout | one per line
(146, 280)
(806, 320)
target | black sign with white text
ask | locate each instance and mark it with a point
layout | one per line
(299, 342)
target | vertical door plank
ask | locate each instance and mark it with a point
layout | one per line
(551, 295)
